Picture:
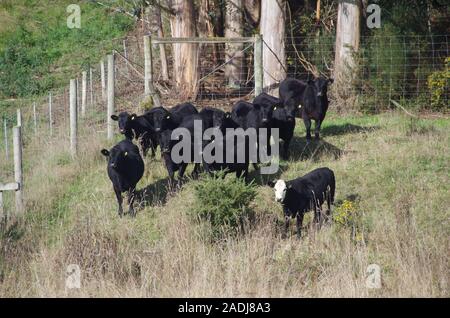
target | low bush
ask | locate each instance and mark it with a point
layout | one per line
(224, 203)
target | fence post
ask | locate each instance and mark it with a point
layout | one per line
(78, 94)
(148, 72)
(73, 116)
(18, 176)
(110, 96)
(34, 118)
(2, 212)
(19, 117)
(50, 113)
(5, 132)
(91, 88)
(103, 79)
(258, 64)
(83, 93)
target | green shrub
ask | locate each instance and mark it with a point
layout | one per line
(224, 203)
(438, 83)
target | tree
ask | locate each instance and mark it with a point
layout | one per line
(185, 55)
(272, 28)
(347, 42)
(233, 51)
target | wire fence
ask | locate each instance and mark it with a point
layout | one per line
(387, 68)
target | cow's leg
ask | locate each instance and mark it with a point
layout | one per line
(181, 171)
(286, 148)
(317, 215)
(131, 196)
(329, 202)
(299, 224)
(307, 123)
(171, 179)
(119, 200)
(286, 221)
(317, 129)
(286, 225)
(196, 170)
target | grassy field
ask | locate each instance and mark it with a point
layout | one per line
(393, 171)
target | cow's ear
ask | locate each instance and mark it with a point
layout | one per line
(133, 116)
(310, 82)
(105, 152)
(114, 117)
(330, 80)
(289, 186)
(256, 106)
(271, 183)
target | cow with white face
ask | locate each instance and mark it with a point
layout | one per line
(305, 193)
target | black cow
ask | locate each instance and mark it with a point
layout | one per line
(286, 125)
(223, 148)
(167, 145)
(208, 114)
(291, 93)
(139, 127)
(125, 169)
(315, 104)
(172, 118)
(303, 194)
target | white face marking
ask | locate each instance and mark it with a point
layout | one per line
(280, 190)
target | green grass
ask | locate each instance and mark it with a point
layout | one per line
(38, 52)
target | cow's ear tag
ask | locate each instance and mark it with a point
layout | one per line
(299, 106)
(126, 153)
(228, 116)
(275, 108)
(168, 116)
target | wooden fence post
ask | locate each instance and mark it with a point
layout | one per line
(34, 118)
(18, 176)
(91, 89)
(149, 89)
(258, 64)
(83, 93)
(50, 113)
(5, 132)
(19, 117)
(103, 79)
(73, 117)
(110, 96)
(2, 212)
(78, 94)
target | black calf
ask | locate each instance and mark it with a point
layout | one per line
(306, 193)
(125, 169)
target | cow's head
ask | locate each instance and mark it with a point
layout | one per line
(161, 117)
(166, 142)
(280, 187)
(116, 158)
(125, 121)
(220, 119)
(321, 85)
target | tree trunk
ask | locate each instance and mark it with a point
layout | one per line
(185, 55)
(205, 26)
(347, 42)
(233, 51)
(272, 28)
(253, 8)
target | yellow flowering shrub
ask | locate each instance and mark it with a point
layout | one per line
(438, 86)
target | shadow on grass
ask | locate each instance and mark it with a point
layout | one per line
(153, 194)
(337, 130)
(302, 149)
